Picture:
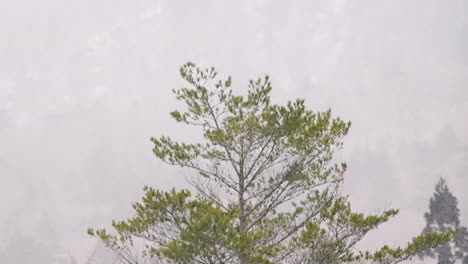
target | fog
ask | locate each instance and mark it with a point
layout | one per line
(85, 84)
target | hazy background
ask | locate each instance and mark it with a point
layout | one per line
(85, 84)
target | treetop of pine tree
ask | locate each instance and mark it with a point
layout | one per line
(444, 215)
(266, 189)
(443, 207)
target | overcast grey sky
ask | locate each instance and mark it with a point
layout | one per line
(85, 84)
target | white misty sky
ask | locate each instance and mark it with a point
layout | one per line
(85, 84)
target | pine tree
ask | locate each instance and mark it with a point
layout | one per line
(267, 190)
(444, 215)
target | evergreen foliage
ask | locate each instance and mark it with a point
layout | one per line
(267, 190)
(444, 215)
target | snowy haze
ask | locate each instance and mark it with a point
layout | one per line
(85, 84)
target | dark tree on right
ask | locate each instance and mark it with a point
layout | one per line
(444, 215)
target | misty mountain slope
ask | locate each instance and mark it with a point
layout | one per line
(83, 86)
